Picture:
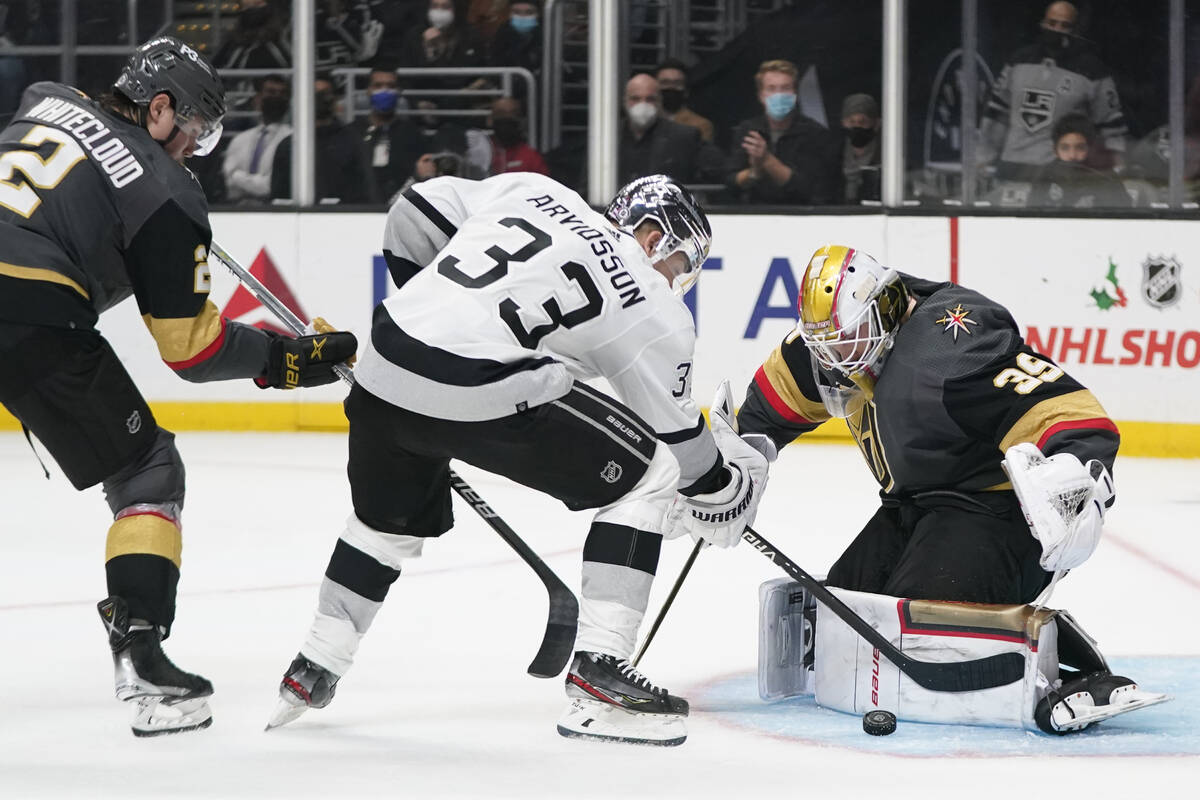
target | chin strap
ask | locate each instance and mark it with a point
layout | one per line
(169, 139)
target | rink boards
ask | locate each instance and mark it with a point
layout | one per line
(1115, 302)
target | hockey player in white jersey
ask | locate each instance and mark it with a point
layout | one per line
(512, 290)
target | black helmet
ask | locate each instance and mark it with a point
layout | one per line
(168, 65)
(684, 226)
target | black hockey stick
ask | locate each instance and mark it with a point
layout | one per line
(687, 567)
(558, 643)
(950, 676)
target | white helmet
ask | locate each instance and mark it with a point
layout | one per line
(850, 310)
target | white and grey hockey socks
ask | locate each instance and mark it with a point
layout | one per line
(618, 569)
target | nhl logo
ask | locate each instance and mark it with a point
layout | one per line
(134, 422)
(1161, 282)
(611, 472)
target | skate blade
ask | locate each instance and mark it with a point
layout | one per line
(158, 716)
(601, 722)
(1086, 715)
(288, 709)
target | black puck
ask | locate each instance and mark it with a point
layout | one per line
(879, 723)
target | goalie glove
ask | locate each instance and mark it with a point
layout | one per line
(1064, 502)
(719, 517)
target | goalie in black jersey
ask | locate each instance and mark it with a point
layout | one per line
(96, 205)
(976, 441)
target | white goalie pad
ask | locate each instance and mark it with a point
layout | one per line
(824, 656)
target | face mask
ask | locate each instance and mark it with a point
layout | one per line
(274, 108)
(323, 106)
(1054, 41)
(523, 24)
(384, 100)
(780, 104)
(860, 137)
(642, 114)
(672, 99)
(507, 130)
(441, 18)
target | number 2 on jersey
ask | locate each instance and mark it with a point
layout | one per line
(44, 173)
(509, 309)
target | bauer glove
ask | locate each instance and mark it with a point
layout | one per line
(307, 360)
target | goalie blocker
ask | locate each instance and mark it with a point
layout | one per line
(806, 649)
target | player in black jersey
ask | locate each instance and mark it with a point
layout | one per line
(95, 206)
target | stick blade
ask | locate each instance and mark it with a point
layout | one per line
(558, 644)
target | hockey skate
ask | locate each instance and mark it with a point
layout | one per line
(305, 685)
(611, 701)
(165, 698)
(1084, 699)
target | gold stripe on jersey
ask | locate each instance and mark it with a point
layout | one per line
(38, 274)
(181, 339)
(784, 384)
(144, 534)
(1081, 404)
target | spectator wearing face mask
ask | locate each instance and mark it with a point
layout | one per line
(651, 144)
(782, 156)
(1069, 181)
(445, 41)
(248, 160)
(391, 144)
(509, 150)
(518, 43)
(341, 169)
(1041, 83)
(672, 80)
(860, 151)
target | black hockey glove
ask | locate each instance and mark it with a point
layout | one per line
(307, 360)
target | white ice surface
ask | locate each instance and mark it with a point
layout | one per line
(438, 704)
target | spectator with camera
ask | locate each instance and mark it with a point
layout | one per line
(782, 156)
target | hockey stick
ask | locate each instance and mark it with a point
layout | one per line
(558, 643)
(950, 676)
(687, 567)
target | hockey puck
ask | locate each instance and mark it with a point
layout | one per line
(879, 723)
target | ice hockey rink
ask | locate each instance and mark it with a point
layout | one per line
(439, 704)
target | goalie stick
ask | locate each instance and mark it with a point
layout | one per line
(948, 676)
(558, 643)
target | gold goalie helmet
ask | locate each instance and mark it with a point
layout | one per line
(850, 312)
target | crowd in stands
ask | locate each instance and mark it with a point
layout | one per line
(1053, 132)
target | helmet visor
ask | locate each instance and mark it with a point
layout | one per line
(207, 134)
(854, 347)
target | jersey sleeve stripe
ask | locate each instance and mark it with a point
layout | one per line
(426, 208)
(774, 378)
(185, 342)
(1078, 409)
(1098, 423)
(678, 437)
(38, 274)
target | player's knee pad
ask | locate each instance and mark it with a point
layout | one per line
(389, 549)
(644, 506)
(156, 477)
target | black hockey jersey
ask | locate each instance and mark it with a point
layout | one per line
(93, 210)
(959, 388)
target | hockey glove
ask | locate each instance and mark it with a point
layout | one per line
(1064, 502)
(719, 517)
(307, 360)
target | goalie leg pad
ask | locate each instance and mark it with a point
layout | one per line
(786, 635)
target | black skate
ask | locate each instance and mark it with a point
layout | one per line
(166, 699)
(1086, 698)
(305, 685)
(612, 701)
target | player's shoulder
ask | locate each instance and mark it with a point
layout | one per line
(953, 329)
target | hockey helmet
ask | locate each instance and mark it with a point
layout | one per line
(850, 311)
(168, 65)
(685, 227)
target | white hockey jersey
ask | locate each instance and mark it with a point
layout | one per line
(513, 287)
